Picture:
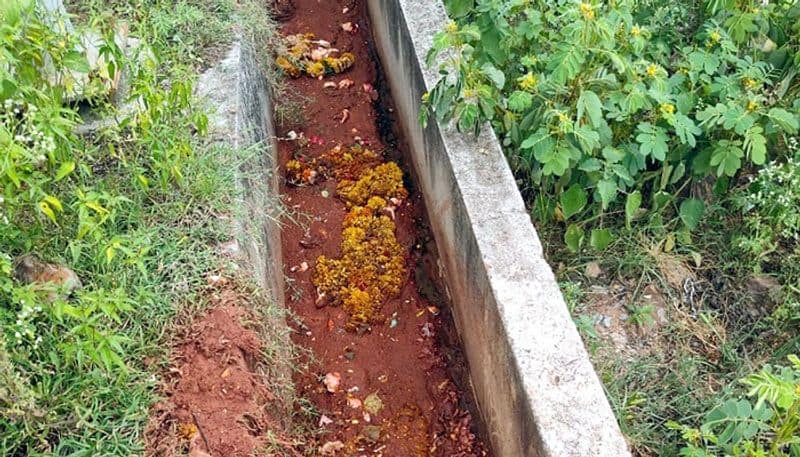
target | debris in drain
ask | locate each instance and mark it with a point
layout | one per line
(362, 296)
(313, 57)
(332, 381)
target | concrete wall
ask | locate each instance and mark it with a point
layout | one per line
(237, 94)
(534, 382)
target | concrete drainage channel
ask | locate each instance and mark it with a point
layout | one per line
(535, 388)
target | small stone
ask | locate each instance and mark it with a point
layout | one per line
(593, 270)
(764, 289)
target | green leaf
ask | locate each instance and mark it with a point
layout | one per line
(685, 128)
(653, 141)
(520, 101)
(590, 104)
(76, 61)
(740, 25)
(44, 207)
(555, 160)
(703, 61)
(632, 204)
(459, 8)
(573, 201)
(784, 119)
(613, 155)
(588, 138)
(755, 145)
(468, 120)
(496, 76)
(727, 157)
(54, 203)
(566, 63)
(607, 191)
(573, 237)
(591, 164)
(65, 169)
(691, 212)
(600, 239)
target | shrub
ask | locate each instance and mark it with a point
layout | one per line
(770, 427)
(605, 103)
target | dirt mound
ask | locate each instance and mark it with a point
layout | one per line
(216, 399)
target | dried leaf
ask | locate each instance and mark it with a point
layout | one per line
(371, 433)
(373, 403)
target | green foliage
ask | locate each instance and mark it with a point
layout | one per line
(132, 208)
(768, 241)
(591, 96)
(768, 428)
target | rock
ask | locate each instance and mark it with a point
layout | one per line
(764, 290)
(593, 270)
(29, 269)
(674, 270)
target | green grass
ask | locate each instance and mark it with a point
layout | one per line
(699, 357)
(162, 235)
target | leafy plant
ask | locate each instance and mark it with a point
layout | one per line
(590, 100)
(768, 427)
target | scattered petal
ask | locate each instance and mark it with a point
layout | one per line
(427, 330)
(325, 420)
(331, 447)
(329, 85)
(187, 431)
(345, 83)
(300, 268)
(354, 402)
(332, 381)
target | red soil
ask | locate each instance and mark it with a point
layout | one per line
(407, 360)
(217, 403)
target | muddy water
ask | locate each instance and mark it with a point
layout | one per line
(408, 357)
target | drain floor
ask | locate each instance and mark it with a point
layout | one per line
(391, 384)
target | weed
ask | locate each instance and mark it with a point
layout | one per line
(133, 208)
(641, 315)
